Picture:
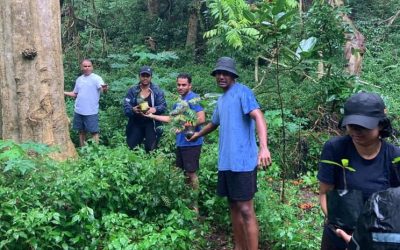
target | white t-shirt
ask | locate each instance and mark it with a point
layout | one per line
(88, 91)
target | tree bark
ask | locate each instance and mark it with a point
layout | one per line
(153, 6)
(354, 47)
(32, 106)
(193, 24)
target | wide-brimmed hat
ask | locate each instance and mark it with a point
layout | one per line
(225, 64)
(364, 109)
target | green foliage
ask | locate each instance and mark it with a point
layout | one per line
(234, 22)
(22, 158)
(380, 61)
(396, 160)
(182, 113)
(69, 205)
(290, 225)
(113, 198)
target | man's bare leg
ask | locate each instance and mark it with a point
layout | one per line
(82, 138)
(95, 137)
(245, 226)
(193, 180)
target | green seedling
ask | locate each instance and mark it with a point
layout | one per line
(345, 164)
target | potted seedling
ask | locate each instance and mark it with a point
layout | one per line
(344, 205)
(183, 118)
(189, 131)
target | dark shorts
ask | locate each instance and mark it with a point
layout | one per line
(188, 158)
(237, 186)
(87, 123)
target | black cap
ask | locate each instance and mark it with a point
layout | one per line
(364, 109)
(225, 64)
(146, 70)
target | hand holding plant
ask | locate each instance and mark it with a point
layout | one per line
(183, 117)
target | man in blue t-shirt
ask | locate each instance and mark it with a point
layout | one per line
(87, 91)
(237, 115)
(187, 153)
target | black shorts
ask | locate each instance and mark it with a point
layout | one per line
(237, 186)
(188, 158)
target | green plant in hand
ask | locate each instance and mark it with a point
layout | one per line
(183, 115)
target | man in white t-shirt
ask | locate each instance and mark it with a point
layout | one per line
(87, 91)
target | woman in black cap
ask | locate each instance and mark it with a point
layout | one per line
(143, 99)
(363, 150)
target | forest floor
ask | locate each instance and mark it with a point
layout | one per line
(220, 240)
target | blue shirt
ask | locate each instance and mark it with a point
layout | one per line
(370, 175)
(87, 89)
(180, 137)
(237, 140)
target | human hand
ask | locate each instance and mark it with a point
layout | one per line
(151, 110)
(137, 110)
(187, 124)
(264, 158)
(104, 87)
(194, 137)
(342, 234)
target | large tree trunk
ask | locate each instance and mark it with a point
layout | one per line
(355, 44)
(193, 24)
(153, 6)
(32, 104)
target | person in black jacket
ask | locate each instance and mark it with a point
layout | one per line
(143, 99)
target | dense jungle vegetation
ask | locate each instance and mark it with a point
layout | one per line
(115, 198)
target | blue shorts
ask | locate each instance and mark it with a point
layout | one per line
(237, 186)
(86, 123)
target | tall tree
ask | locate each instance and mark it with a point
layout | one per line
(32, 106)
(355, 43)
(193, 23)
(153, 7)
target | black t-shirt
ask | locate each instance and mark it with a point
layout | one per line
(370, 175)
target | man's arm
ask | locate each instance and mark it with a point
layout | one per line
(201, 118)
(342, 234)
(161, 118)
(71, 94)
(264, 156)
(210, 127)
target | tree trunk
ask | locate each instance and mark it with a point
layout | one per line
(153, 6)
(355, 44)
(193, 24)
(32, 106)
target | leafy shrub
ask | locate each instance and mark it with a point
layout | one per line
(287, 225)
(73, 204)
